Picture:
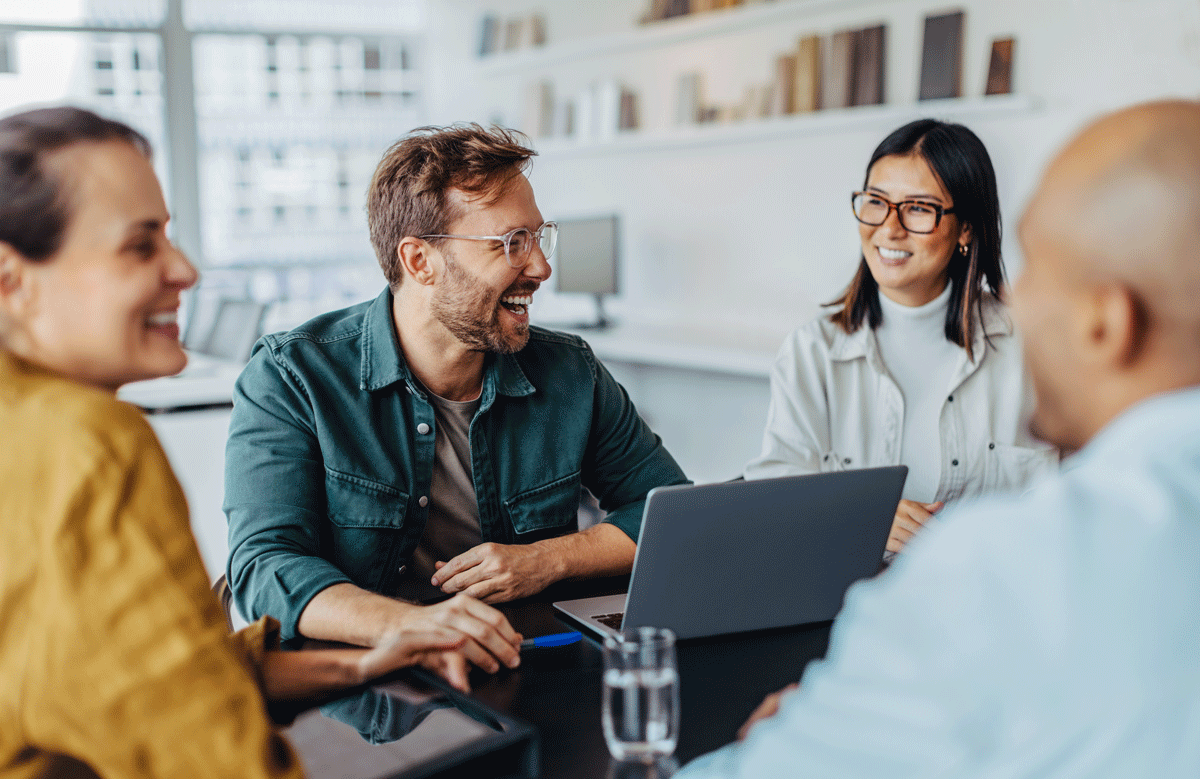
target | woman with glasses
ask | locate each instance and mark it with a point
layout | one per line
(917, 364)
(115, 655)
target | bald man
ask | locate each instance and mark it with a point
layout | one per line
(1056, 634)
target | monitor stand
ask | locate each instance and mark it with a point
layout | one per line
(602, 321)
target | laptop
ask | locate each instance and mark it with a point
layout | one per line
(750, 555)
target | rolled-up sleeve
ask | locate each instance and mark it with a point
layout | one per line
(625, 458)
(274, 486)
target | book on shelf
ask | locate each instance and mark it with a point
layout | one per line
(489, 35)
(806, 91)
(629, 110)
(514, 28)
(533, 31)
(941, 57)
(677, 8)
(836, 91)
(999, 79)
(867, 70)
(783, 88)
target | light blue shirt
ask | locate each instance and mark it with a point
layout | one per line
(1052, 635)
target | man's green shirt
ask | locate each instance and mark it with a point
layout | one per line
(331, 453)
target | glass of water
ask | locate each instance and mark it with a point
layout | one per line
(641, 694)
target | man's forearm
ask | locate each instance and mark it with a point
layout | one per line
(600, 550)
(352, 615)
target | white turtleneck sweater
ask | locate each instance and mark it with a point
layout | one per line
(916, 352)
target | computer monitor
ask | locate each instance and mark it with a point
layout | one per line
(587, 257)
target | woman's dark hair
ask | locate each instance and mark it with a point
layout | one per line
(960, 161)
(34, 206)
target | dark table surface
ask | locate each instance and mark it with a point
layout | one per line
(558, 690)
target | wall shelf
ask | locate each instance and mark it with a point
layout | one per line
(679, 29)
(793, 126)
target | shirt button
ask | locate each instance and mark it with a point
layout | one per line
(422, 428)
(951, 398)
(846, 461)
(424, 501)
(952, 462)
(991, 446)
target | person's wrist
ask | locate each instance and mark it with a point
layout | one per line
(552, 559)
(401, 617)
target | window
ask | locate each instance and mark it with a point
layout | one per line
(266, 158)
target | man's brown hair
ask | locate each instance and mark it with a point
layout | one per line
(408, 194)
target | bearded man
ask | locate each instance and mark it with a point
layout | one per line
(432, 441)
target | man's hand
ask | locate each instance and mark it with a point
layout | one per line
(910, 518)
(768, 708)
(496, 573)
(489, 639)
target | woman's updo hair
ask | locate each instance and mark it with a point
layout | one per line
(34, 208)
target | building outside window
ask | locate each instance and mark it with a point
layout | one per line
(267, 119)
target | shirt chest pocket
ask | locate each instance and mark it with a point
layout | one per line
(546, 511)
(1013, 468)
(365, 520)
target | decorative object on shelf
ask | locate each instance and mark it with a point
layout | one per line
(941, 57)
(999, 79)
(521, 32)
(596, 114)
(539, 110)
(689, 98)
(866, 80)
(837, 91)
(806, 93)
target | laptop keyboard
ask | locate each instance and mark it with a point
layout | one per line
(610, 620)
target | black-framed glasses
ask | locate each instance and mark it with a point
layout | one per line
(518, 243)
(916, 216)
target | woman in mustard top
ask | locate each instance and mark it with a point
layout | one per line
(114, 655)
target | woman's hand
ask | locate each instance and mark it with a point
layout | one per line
(768, 708)
(433, 648)
(910, 518)
(312, 672)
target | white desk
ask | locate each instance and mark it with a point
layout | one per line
(703, 390)
(748, 353)
(190, 414)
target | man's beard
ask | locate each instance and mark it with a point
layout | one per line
(467, 308)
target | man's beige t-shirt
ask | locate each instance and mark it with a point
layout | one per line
(452, 526)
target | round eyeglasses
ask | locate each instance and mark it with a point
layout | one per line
(518, 243)
(916, 216)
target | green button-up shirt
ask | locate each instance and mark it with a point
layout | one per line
(327, 470)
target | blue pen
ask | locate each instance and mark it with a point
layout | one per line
(555, 639)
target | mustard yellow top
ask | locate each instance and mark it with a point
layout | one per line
(114, 655)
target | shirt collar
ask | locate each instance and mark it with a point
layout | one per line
(383, 362)
(861, 343)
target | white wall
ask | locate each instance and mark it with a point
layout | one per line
(751, 235)
(755, 233)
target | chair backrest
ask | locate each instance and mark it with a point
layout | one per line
(221, 589)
